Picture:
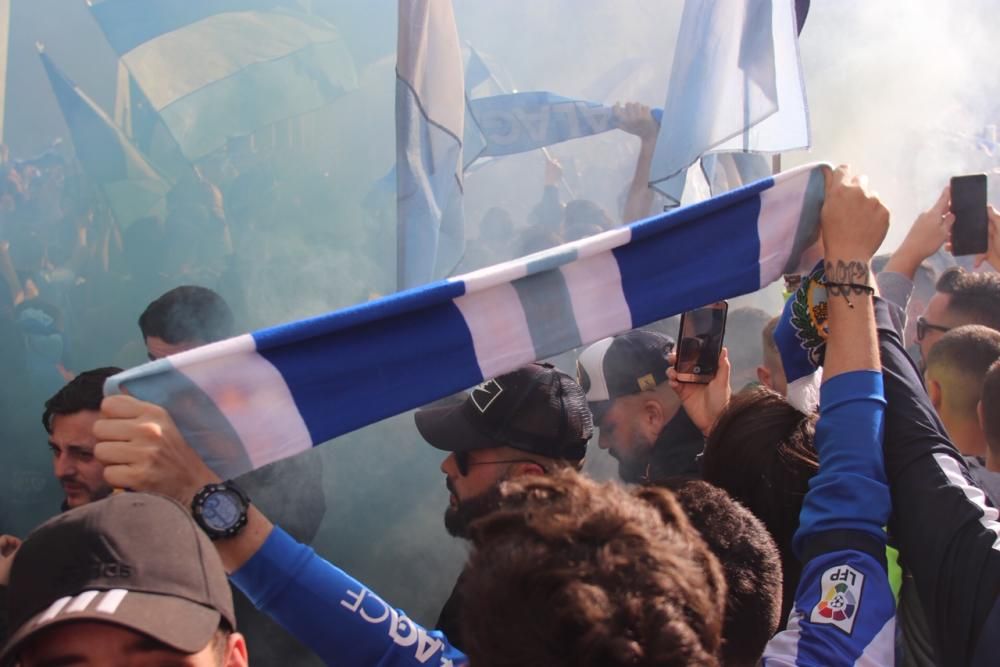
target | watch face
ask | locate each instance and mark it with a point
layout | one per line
(221, 510)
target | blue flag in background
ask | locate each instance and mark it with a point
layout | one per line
(505, 123)
(130, 23)
(216, 69)
(132, 186)
(147, 130)
(430, 121)
(736, 85)
(521, 122)
(477, 72)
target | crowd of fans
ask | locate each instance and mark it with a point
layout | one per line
(747, 527)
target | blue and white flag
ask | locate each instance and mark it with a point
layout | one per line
(736, 85)
(216, 69)
(521, 122)
(430, 120)
(251, 400)
(478, 72)
(136, 117)
(132, 186)
(506, 124)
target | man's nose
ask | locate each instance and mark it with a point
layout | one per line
(448, 466)
(63, 465)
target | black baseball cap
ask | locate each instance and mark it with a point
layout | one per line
(133, 559)
(627, 364)
(536, 408)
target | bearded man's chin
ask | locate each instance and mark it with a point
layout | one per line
(458, 519)
(631, 472)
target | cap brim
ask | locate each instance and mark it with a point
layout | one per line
(181, 624)
(448, 429)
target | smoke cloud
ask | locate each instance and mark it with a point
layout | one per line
(900, 90)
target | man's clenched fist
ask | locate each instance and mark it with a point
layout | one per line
(142, 449)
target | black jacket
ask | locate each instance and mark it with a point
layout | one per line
(677, 451)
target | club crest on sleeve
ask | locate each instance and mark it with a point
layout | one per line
(840, 598)
(485, 394)
(810, 315)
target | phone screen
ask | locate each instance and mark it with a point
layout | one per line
(701, 334)
(970, 234)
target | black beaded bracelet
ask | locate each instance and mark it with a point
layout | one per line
(842, 289)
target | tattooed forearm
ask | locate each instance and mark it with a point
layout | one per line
(845, 277)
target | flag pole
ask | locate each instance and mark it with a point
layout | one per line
(4, 51)
(123, 101)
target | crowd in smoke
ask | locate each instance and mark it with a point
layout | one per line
(252, 224)
(751, 527)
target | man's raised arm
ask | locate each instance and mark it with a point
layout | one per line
(844, 607)
(334, 615)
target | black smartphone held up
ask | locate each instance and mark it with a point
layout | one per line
(700, 343)
(970, 234)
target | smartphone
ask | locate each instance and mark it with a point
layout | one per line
(700, 336)
(970, 234)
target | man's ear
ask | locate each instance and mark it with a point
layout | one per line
(236, 651)
(764, 376)
(653, 416)
(934, 392)
(526, 468)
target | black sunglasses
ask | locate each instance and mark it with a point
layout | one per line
(463, 463)
(923, 326)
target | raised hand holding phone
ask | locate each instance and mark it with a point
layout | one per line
(703, 403)
(700, 339)
(970, 233)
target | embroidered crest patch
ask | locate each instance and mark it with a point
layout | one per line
(840, 599)
(810, 315)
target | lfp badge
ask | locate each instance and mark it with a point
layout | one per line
(838, 604)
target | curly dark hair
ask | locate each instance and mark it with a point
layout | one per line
(750, 560)
(572, 572)
(761, 452)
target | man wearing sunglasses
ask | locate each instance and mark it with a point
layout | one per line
(530, 421)
(961, 298)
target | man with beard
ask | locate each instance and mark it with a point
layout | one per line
(69, 420)
(530, 421)
(640, 418)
